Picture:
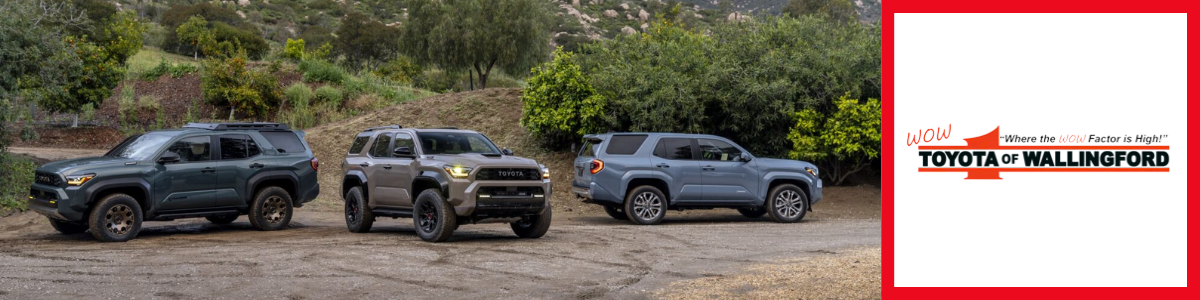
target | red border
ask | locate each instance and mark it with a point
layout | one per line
(1018, 6)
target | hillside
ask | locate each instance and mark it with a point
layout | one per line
(494, 112)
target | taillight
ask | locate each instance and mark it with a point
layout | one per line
(315, 163)
(597, 165)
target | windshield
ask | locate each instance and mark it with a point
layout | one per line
(455, 143)
(139, 147)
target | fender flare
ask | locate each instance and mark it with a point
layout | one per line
(772, 176)
(442, 182)
(253, 182)
(357, 175)
(135, 182)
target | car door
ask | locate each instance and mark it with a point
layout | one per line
(403, 168)
(187, 184)
(674, 157)
(240, 159)
(384, 191)
(727, 177)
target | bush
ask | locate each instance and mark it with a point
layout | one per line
(228, 81)
(322, 71)
(15, 182)
(164, 67)
(843, 143)
(329, 94)
(179, 70)
(436, 80)
(298, 94)
(401, 70)
(149, 102)
(294, 49)
(367, 102)
(560, 105)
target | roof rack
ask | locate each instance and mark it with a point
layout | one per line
(260, 126)
(384, 127)
(447, 127)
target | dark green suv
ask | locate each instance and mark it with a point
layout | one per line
(216, 171)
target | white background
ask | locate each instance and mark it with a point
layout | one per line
(1033, 74)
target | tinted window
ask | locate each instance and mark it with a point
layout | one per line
(404, 140)
(285, 141)
(252, 148)
(139, 147)
(455, 143)
(589, 148)
(718, 150)
(624, 144)
(193, 149)
(674, 148)
(234, 146)
(380, 149)
(359, 143)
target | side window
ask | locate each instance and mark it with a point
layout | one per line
(193, 149)
(380, 148)
(719, 150)
(405, 140)
(252, 148)
(625, 144)
(284, 141)
(234, 146)
(589, 148)
(359, 143)
(674, 148)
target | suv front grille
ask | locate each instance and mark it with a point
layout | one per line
(47, 178)
(508, 174)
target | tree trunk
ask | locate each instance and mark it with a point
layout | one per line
(75, 123)
(471, 77)
(231, 112)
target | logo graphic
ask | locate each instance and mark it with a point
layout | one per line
(984, 158)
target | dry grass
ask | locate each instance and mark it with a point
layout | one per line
(494, 112)
(848, 275)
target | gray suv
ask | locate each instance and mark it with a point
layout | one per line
(441, 178)
(638, 176)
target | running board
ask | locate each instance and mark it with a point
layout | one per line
(394, 213)
(197, 214)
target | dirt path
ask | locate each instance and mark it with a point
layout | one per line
(584, 257)
(52, 154)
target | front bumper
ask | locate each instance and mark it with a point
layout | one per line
(474, 198)
(57, 202)
(817, 194)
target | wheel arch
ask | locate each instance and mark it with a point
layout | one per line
(137, 188)
(284, 179)
(352, 179)
(658, 183)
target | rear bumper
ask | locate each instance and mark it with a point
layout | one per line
(593, 193)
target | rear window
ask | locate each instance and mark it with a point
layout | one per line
(285, 141)
(359, 143)
(589, 148)
(624, 144)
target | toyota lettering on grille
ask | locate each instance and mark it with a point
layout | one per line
(513, 173)
(43, 178)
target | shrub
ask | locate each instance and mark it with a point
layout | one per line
(164, 67)
(400, 69)
(322, 71)
(179, 70)
(227, 81)
(15, 181)
(843, 143)
(436, 80)
(366, 102)
(294, 49)
(126, 103)
(329, 94)
(560, 105)
(298, 95)
(149, 102)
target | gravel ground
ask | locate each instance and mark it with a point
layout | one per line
(852, 274)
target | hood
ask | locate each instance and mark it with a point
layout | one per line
(72, 166)
(472, 160)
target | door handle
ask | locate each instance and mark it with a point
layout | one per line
(208, 170)
(663, 165)
(364, 165)
(709, 168)
(389, 167)
(257, 165)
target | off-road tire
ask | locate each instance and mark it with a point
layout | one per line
(752, 212)
(787, 204)
(359, 217)
(65, 227)
(116, 218)
(271, 209)
(222, 220)
(532, 227)
(433, 219)
(645, 205)
(615, 212)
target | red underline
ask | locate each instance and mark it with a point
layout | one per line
(1117, 169)
(1044, 147)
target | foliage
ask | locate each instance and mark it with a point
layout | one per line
(843, 143)
(91, 83)
(400, 69)
(298, 94)
(328, 94)
(228, 81)
(299, 115)
(15, 181)
(838, 10)
(322, 71)
(477, 35)
(560, 105)
(165, 67)
(294, 49)
(365, 42)
(122, 36)
(436, 80)
(320, 53)
(215, 16)
(196, 34)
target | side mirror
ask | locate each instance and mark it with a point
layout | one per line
(168, 158)
(402, 152)
(505, 151)
(745, 158)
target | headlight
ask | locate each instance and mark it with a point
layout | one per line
(545, 171)
(457, 171)
(77, 180)
(812, 171)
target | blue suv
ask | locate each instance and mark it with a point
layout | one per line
(638, 176)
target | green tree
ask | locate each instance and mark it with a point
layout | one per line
(122, 36)
(478, 35)
(196, 33)
(560, 105)
(228, 81)
(365, 42)
(843, 142)
(98, 73)
(294, 49)
(838, 10)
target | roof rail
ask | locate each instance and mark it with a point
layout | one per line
(447, 127)
(383, 127)
(260, 126)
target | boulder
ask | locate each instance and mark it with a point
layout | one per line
(628, 30)
(643, 15)
(610, 14)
